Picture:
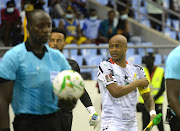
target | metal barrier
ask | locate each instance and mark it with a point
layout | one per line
(106, 47)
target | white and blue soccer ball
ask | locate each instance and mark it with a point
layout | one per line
(68, 84)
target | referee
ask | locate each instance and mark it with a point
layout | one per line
(57, 41)
(30, 66)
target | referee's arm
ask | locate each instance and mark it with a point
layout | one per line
(6, 89)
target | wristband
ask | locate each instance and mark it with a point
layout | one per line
(152, 112)
(91, 109)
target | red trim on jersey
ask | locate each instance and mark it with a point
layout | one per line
(113, 62)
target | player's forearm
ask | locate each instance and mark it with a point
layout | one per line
(175, 105)
(85, 99)
(148, 102)
(124, 89)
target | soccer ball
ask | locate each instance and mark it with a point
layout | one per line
(68, 84)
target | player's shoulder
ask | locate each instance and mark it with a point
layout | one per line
(107, 62)
(136, 66)
(174, 55)
(18, 48)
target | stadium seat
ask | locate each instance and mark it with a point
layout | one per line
(94, 74)
(88, 52)
(78, 59)
(73, 52)
(66, 53)
(144, 11)
(148, 50)
(171, 34)
(94, 60)
(141, 51)
(158, 59)
(135, 59)
(175, 24)
(130, 51)
(168, 22)
(104, 52)
(165, 58)
(146, 22)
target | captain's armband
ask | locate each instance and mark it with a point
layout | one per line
(143, 90)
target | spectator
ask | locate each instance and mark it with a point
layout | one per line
(123, 25)
(72, 27)
(38, 4)
(27, 7)
(156, 13)
(91, 26)
(155, 76)
(11, 23)
(108, 27)
(125, 9)
(79, 7)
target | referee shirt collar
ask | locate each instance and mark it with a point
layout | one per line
(29, 47)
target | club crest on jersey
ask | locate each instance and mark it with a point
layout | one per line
(109, 78)
(135, 77)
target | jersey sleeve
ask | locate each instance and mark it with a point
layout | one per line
(9, 65)
(142, 90)
(105, 73)
(65, 64)
(74, 65)
(172, 67)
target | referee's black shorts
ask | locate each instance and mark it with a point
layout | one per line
(65, 120)
(29, 122)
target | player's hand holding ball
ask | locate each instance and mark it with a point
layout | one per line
(68, 85)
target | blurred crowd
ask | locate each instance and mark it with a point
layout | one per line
(81, 23)
(67, 14)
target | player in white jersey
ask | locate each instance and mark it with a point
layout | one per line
(118, 81)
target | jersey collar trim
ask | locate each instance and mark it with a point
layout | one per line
(113, 62)
(29, 48)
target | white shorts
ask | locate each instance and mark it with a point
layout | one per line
(118, 128)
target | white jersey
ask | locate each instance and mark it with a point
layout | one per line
(118, 111)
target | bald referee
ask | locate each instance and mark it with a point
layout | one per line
(30, 67)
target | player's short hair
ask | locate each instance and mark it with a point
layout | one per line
(31, 13)
(60, 30)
